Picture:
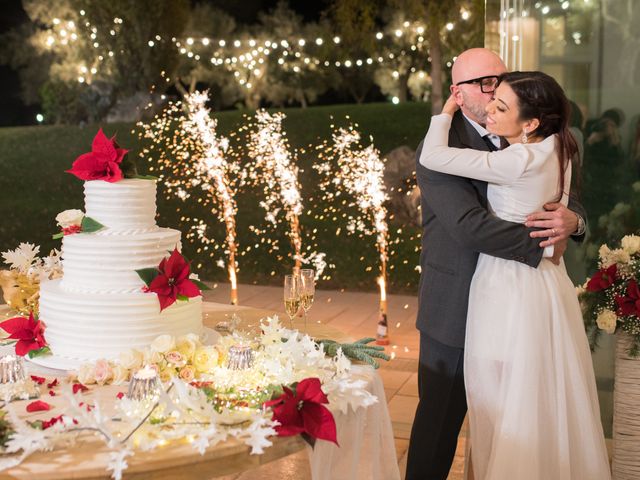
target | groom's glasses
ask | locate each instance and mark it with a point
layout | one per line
(487, 84)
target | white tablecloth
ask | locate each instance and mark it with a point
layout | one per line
(367, 449)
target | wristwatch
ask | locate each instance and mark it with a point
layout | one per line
(581, 226)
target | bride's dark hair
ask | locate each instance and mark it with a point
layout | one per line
(541, 97)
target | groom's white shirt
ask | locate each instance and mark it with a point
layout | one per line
(495, 139)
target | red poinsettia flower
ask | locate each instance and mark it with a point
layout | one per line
(173, 280)
(102, 163)
(603, 279)
(303, 412)
(629, 304)
(28, 331)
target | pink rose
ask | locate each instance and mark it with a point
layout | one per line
(103, 372)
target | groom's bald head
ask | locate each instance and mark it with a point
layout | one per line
(471, 64)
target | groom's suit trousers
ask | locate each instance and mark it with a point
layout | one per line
(440, 412)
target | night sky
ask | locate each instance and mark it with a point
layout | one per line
(14, 112)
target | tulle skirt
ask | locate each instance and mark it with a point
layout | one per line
(533, 405)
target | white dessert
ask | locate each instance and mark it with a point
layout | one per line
(98, 308)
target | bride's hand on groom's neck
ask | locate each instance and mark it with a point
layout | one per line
(450, 106)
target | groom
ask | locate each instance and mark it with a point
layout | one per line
(457, 226)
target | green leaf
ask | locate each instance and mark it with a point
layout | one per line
(200, 285)
(90, 225)
(148, 275)
(145, 177)
(57, 236)
(39, 352)
(183, 298)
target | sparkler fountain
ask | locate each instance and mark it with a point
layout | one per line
(194, 155)
(275, 168)
(212, 163)
(359, 173)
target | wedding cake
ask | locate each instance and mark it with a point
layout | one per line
(100, 307)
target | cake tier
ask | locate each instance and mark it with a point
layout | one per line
(104, 262)
(92, 326)
(129, 204)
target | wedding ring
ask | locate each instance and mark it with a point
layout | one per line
(553, 232)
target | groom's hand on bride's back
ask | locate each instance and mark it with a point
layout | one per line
(558, 251)
(556, 223)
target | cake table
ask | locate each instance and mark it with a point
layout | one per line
(367, 451)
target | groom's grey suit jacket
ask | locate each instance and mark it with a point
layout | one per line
(456, 227)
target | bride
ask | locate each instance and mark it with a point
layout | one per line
(533, 406)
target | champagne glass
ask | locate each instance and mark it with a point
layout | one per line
(292, 299)
(308, 281)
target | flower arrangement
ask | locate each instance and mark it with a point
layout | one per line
(106, 161)
(299, 386)
(610, 299)
(21, 282)
(29, 333)
(172, 280)
(75, 221)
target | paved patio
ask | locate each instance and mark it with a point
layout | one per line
(355, 314)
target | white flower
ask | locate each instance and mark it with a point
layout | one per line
(163, 344)
(631, 244)
(607, 321)
(131, 360)
(120, 374)
(187, 345)
(87, 374)
(205, 358)
(603, 252)
(69, 218)
(21, 258)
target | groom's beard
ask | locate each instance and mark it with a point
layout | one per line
(478, 111)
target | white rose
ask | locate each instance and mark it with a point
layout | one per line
(619, 256)
(87, 374)
(607, 321)
(120, 374)
(151, 357)
(631, 244)
(131, 360)
(163, 344)
(187, 345)
(603, 254)
(69, 218)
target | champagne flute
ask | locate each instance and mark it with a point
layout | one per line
(308, 279)
(292, 297)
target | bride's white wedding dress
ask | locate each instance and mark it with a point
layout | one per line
(533, 405)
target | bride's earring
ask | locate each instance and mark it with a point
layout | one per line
(525, 139)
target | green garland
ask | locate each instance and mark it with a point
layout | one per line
(358, 350)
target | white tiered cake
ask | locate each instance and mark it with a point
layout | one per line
(98, 309)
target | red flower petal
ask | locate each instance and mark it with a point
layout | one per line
(166, 301)
(120, 395)
(23, 347)
(53, 384)
(38, 406)
(188, 289)
(104, 146)
(175, 264)
(78, 387)
(52, 393)
(309, 390)
(38, 380)
(319, 422)
(19, 328)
